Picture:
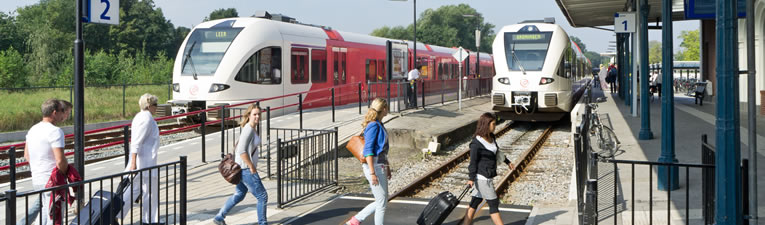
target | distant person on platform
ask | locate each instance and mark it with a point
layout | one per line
(612, 76)
(44, 150)
(144, 144)
(411, 91)
(602, 74)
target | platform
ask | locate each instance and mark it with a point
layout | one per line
(207, 192)
(401, 211)
(691, 121)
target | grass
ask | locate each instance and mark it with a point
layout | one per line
(21, 109)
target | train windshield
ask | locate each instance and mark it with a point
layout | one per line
(526, 51)
(205, 49)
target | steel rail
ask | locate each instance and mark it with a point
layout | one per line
(441, 170)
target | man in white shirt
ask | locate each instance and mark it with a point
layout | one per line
(411, 92)
(44, 148)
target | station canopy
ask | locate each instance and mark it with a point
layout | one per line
(595, 13)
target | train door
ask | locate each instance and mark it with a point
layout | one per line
(339, 70)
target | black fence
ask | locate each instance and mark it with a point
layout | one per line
(643, 200)
(71, 90)
(306, 163)
(402, 95)
(103, 207)
(585, 172)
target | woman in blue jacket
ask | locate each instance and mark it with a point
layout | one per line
(376, 168)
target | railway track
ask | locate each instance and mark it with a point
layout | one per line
(453, 174)
(90, 141)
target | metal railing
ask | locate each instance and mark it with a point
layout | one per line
(403, 96)
(104, 207)
(71, 90)
(307, 162)
(588, 180)
(582, 153)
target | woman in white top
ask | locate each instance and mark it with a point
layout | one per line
(246, 150)
(144, 143)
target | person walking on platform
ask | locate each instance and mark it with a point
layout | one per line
(658, 82)
(44, 150)
(411, 91)
(245, 156)
(602, 74)
(612, 77)
(376, 169)
(144, 144)
(484, 158)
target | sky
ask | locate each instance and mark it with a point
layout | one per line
(363, 16)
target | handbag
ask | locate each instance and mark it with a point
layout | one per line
(230, 171)
(356, 147)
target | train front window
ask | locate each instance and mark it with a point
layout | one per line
(526, 51)
(205, 49)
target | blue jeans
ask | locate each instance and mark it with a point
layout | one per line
(249, 182)
(380, 191)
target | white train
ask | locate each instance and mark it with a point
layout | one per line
(540, 72)
(234, 60)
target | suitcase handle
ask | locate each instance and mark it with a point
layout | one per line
(467, 188)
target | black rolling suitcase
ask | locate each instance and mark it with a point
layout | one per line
(440, 207)
(104, 207)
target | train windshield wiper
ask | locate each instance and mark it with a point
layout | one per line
(515, 58)
(187, 58)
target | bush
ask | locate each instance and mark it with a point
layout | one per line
(13, 73)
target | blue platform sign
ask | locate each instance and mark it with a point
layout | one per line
(705, 9)
(102, 11)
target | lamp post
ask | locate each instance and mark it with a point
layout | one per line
(477, 45)
(414, 26)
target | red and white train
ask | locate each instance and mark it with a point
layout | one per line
(234, 60)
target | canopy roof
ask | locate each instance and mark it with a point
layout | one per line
(593, 13)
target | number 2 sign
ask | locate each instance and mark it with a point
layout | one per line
(103, 11)
(624, 22)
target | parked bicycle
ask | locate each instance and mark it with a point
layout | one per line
(607, 141)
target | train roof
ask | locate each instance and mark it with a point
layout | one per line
(316, 31)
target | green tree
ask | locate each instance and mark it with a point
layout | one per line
(654, 52)
(12, 70)
(48, 38)
(690, 46)
(142, 27)
(595, 58)
(179, 35)
(222, 13)
(11, 36)
(445, 26)
(579, 42)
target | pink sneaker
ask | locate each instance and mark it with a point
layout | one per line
(353, 221)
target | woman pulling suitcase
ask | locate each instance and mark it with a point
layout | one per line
(484, 155)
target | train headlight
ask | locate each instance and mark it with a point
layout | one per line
(218, 87)
(504, 80)
(546, 81)
(176, 87)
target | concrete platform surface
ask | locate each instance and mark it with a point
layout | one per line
(629, 195)
(401, 211)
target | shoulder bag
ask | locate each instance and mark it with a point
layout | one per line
(356, 147)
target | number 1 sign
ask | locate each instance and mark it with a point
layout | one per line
(103, 11)
(624, 22)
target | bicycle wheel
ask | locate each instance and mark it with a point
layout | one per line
(608, 142)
